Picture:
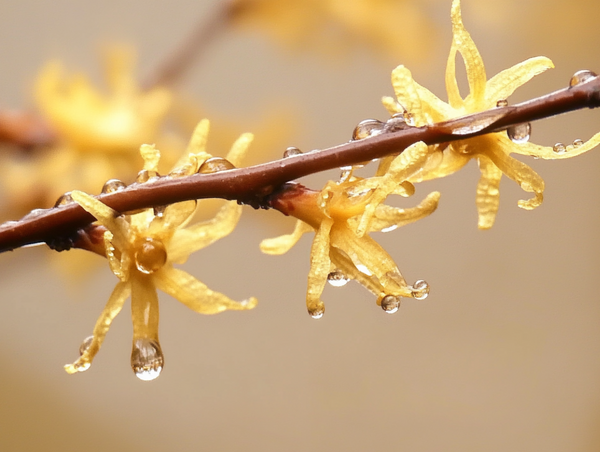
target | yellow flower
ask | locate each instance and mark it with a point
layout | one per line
(390, 27)
(491, 151)
(98, 133)
(141, 249)
(339, 252)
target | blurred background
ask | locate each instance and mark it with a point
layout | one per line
(503, 355)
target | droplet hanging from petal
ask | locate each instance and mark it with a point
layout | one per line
(317, 312)
(390, 304)
(420, 290)
(519, 133)
(147, 360)
(337, 278)
(150, 255)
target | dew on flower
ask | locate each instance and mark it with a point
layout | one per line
(146, 176)
(113, 185)
(502, 103)
(150, 255)
(317, 311)
(337, 278)
(420, 290)
(291, 151)
(390, 304)
(580, 77)
(147, 360)
(578, 142)
(159, 210)
(63, 200)
(215, 164)
(559, 148)
(367, 128)
(85, 345)
(519, 133)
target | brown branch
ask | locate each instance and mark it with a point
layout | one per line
(254, 184)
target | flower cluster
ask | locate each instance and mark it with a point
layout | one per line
(142, 247)
(97, 134)
(492, 151)
(342, 215)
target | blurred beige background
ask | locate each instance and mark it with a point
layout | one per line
(503, 355)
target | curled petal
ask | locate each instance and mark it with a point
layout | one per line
(401, 168)
(320, 265)
(463, 43)
(488, 193)
(387, 217)
(522, 174)
(341, 261)
(283, 243)
(547, 153)
(109, 218)
(188, 290)
(119, 267)
(198, 236)
(506, 82)
(111, 310)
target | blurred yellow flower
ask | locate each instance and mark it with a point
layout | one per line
(392, 27)
(141, 249)
(342, 215)
(98, 134)
(491, 151)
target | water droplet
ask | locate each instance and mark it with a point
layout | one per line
(577, 143)
(317, 312)
(390, 304)
(519, 133)
(420, 290)
(395, 123)
(63, 200)
(150, 255)
(147, 360)
(113, 185)
(215, 164)
(337, 278)
(502, 103)
(367, 128)
(390, 228)
(582, 77)
(291, 151)
(146, 176)
(559, 148)
(85, 344)
(409, 118)
(159, 210)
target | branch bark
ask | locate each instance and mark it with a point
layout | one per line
(253, 185)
